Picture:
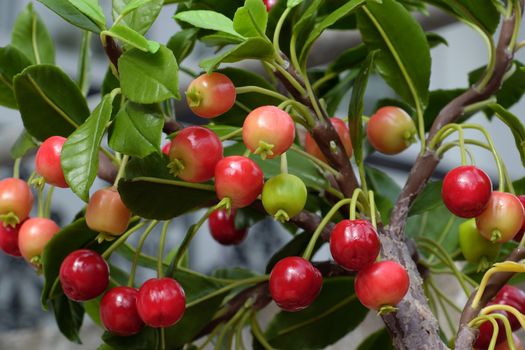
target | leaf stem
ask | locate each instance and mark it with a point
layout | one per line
(160, 270)
(121, 169)
(47, 205)
(121, 240)
(83, 63)
(277, 33)
(284, 164)
(196, 186)
(257, 332)
(138, 251)
(231, 135)
(16, 168)
(259, 90)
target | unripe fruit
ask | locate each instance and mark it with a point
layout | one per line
(211, 95)
(502, 218)
(284, 196)
(295, 283)
(161, 302)
(519, 235)
(354, 244)
(33, 237)
(16, 198)
(107, 213)
(47, 161)
(475, 248)
(84, 275)
(344, 134)
(222, 228)
(268, 131)
(466, 191)
(118, 311)
(391, 130)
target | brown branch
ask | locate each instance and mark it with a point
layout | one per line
(113, 51)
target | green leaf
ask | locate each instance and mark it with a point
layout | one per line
(379, 340)
(149, 78)
(132, 38)
(12, 62)
(326, 22)
(182, 43)
(293, 3)
(437, 100)
(295, 247)
(149, 189)
(69, 316)
(435, 40)
(335, 95)
(220, 39)
(92, 10)
(79, 157)
(355, 109)
(482, 14)
(381, 183)
(255, 48)
(251, 19)
(404, 59)
(110, 82)
(519, 186)
(70, 13)
(140, 13)
(429, 198)
(206, 19)
(23, 144)
(515, 125)
(31, 37)
(334, 313)
(136, 130)
(50, 102)
(348, 59)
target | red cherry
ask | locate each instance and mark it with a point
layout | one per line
(390, 130)
(354, 244)
(194, 153)
(295, 283)
(166, 148)
(486, 330)
(505, 345)
(84, 275)
(211, 95)
(15, 197)
(342, 130)
(9, 239)
(240, 179)
(107, 213)
(269, 4)
(512, 296)
(161, 302)
(383, 283)
(47, 161)
(268, 131)
(222, 228)
(118, 311)
(34, 235)
(466, 191)
(519, 235)
(502, 218)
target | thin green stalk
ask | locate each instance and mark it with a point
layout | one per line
(16, 168)
(443, 235)
(239, 342)
(243, 107)
(450, 323)
(230, 324)
(122, 239)
(315, 160)
(302, 110)
(160, 270)
(311, 245)
(431, 301)
(188, 71)
(210, 337)
(293, 51)
(291, 79)
(353, 203)
(41, 211)
(231, 135)
(138, 251)
(162, 339)
(257, 332)
(372, 203)
(443, 296)
(474, 107)
(259, 90)
(49, 198)
(121, 169)
(324, 79)
(277, 33)
(111, 157)
(196, 186)
(444, 132)
(284, 164)
(83, 63)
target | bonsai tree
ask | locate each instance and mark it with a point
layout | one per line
(287, 158)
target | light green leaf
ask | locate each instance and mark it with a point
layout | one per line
(49, 101)
(70, 13)
(23, 144)
(255, 48)
(31, 37)
(515, 125)
(132, 38)
(208, 20)
(92, 9)
(12, 62)
(293, 3)
(79, 157)
(136, 131)
(251, 19)
(481, 13)
(182, 43)
(220, 39)
(138, 14)
(149, 78)
(404, 57)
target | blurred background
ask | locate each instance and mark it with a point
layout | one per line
(23, 324)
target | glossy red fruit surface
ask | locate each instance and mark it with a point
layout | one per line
(107, 213)
(344, 134)
(268, 131)
(161, 302)
(222, 227)
(383, 283)
(502, 218)
(33, 236)
(354, 244)
(166, 148)
(505, 344)
(118, 311)
(15, 197)
(466, 191)
(194, 153)
(512, 296)
(295, 283)
(211, 95)
(519, 235)
(9, 239)
(486, 330)
(240, 179)
(269, 4)
(47, 161)
(391, 130)
(84, 275)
